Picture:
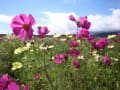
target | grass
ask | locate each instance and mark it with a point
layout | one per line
(93, 73)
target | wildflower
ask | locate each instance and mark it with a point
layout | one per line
(111, 36)
(26, 87)
(118, 34)
(83, 22)
(74, 53)
(51, 46)
(22, 26)
(72, 18)
(58, 58)
(36, 76)
(10, 38)
(57, 35)
(63, 39)
(42, 32)
(16, 65)
(6, 83)
(81, 57)
(76, 64)
(1, 37)
(58, 61)
(107, 60)
(111, 46)
(74, 44)
(13, 86)
(84, 33)
(18, 51)
(101, 44)
(67, 34)
(22, 85)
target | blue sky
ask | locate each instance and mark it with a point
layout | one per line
(45, 10)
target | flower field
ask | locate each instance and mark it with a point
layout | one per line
(70, 62)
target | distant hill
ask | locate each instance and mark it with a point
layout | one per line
(94, 34)
(103, 34)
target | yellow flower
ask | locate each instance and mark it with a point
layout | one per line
(16, 65)
(81, 57)
(68, 33)
(70, 36)
(57, 35)
(94, 52)
(22, 85)
(110, 46)
(78, 41)
(51, 46)
(115, 59)
(63, 39)
(111, 36)
(18, 51)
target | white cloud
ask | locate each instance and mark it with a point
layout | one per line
(105, 22)
(60, 22)
(5, 18)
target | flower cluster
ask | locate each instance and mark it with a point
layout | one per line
(59, 58)
(100, 44)
(81, 22)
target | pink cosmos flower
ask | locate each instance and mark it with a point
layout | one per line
(72, 18)
(107, 60)
(13, 86)
(74, 53)
(84, 33)
(36, 76)
(10, 38)
(100, 44)
(1, 37)
(76, 64)
(118, 34)
(58, 61)
(7, 84)
(91, 39)
(22, 26)
(83, 22)
(74, 44)
(26, 87)
(42, 32)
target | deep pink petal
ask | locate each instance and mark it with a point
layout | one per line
(13, 86)
(31, 20)
(26, 87)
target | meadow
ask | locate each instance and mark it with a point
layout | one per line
(72, 62)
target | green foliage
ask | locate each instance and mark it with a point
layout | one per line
(93, 73)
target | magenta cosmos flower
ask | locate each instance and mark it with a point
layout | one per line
(118, 34)
(42, 32)
(26, 87)
(72, 18)
(1, 37)
(36, 76)
(22, 26)
(74, 44)
(100, 44)
(84, 33)
(107, 60)
(76, 64)
(74, 53)
(7, 84)
(83, 22)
